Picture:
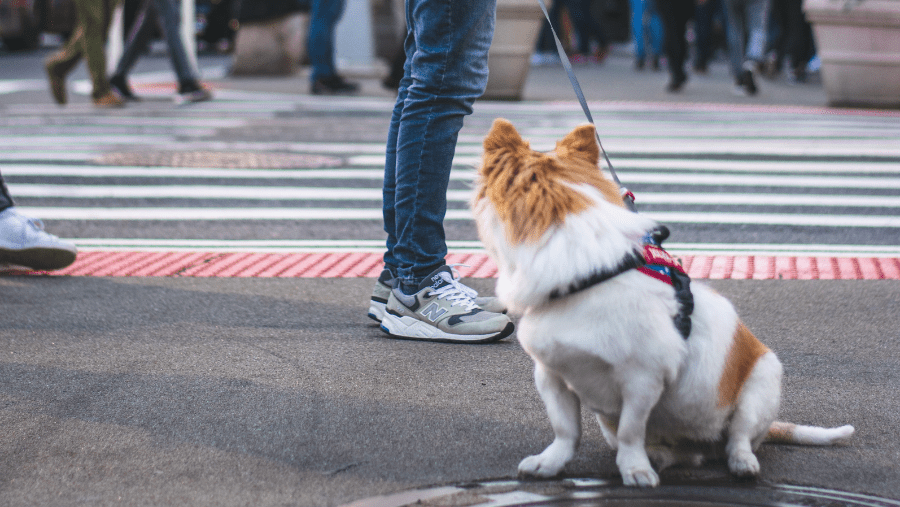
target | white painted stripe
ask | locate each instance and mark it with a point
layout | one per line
(88, 171)
(803, 220)
(48, 155)
(86, 139)
(110, 244)
(375, 194)
(757, 166)
(761, 180)
(146, 214)
(628, 178)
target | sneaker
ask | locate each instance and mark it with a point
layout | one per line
(442, 310)
(199, 94)
(23, 242)
(747, 79)
(333, 85)
(109, 100)
(386, 282)
(120, 86)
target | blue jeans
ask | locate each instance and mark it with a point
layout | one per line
(142, 30)
(644, 16)
(747, 20)
(323, 18)
(446, 69)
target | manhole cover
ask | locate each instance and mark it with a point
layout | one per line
(223, 159)
(600, 493)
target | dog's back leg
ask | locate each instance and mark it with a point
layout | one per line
(756, 408)
(564, 410)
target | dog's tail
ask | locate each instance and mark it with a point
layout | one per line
(789, 433)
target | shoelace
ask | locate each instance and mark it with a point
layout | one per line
(456, 293)
(472, 293)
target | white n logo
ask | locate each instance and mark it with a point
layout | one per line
(434, 311)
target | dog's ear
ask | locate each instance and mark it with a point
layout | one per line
(503, 135)
(581, 143)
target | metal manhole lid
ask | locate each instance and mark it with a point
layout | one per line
(601, 493)
(220, 159)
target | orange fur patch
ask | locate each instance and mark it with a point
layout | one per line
(531, 190)
(781, 432)
(745, 350)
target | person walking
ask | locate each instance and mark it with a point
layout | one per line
(645, 23)
(189, 88)
(88, 41)
(323, 18)
(675, 15)
(747, 25)
(417, 295)
(23, 241)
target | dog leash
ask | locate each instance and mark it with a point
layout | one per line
(627, 196)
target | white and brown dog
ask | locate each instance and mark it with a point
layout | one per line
(602, 334)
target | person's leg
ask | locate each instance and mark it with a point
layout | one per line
(61, 63)
(757, 20)
(637, 31)
(734, 10)
(655, 25)
(447, 70)
(171, 23)
(138, 38)
(94, 17)
(6, 200)
(324, 15)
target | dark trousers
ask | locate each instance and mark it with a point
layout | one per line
(675, 15)
(5, 199)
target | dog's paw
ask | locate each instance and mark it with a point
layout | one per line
(541, 466)
(743, 464)
(640, 477)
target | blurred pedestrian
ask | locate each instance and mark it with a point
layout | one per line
(646, 24)
(675, 15)
(593, 45)
(747, 27)
(142, 30)
(799, 42)
(708, 15)
(23, 241)
(88, 41)
(418, 295)
(323, 19)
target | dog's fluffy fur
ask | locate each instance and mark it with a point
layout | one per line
(548, 219)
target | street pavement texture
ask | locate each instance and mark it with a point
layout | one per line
(225, 391)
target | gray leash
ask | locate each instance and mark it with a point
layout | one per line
(626, 194)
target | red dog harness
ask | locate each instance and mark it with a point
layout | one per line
(654, 262)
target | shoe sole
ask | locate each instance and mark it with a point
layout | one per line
(376, 310)
(409, 328)
(42, 259)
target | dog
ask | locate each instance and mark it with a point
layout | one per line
(602, 333)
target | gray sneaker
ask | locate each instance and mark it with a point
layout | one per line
(442, 310)
(23, 242)
(385, 283)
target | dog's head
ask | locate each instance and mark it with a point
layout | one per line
(533, 191)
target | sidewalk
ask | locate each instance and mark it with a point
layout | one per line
(613, 80)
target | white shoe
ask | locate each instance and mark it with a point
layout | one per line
(23, 242)
(442, 310)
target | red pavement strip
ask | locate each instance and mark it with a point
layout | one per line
(477, 265)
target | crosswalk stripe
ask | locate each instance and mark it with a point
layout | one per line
(199, 192)
(750, 180)
(218, 214)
